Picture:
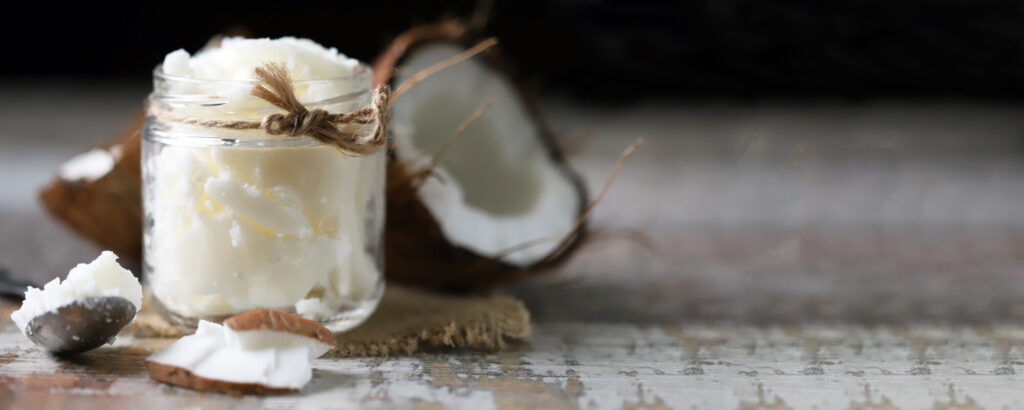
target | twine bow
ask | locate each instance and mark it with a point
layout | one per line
(276, 87)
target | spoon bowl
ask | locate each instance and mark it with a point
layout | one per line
(82, 325)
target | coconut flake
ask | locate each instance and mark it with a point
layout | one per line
(313, 308)
(283, 324)
(274, 360)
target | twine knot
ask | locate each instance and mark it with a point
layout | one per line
(343, 130)
(294, 124)
(276, 88)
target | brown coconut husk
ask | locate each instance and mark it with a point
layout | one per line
(416, 250)
(385, 65)
(107, 210)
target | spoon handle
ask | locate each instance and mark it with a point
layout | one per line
(10, 287)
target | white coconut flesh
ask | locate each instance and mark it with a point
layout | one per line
(90, 166)
(498, 186)
(270, 358)
(261, 339)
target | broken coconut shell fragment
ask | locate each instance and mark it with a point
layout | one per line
(494, 205)
(263, 352)
(103, 203)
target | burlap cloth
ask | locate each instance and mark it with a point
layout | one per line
(407, 321)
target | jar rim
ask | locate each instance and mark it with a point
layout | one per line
(360, 73)
(210, 96)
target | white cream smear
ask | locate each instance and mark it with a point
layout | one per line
(244, 228)
(101, 277)
(270, 358)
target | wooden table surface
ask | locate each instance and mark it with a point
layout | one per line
(769, 255)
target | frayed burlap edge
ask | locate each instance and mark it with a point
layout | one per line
(408, 321)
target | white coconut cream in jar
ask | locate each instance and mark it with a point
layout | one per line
(240, 220)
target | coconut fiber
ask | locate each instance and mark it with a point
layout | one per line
(407, 321)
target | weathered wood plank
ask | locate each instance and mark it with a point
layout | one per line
(883, 213)
(575, 365)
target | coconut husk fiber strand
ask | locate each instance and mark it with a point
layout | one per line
(408, 321)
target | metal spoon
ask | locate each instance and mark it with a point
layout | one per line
(82, 325)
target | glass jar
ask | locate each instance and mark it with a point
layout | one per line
(239, 220)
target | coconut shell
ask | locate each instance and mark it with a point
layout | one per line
(107, 210)
(416, 250)
(180, 377)
(282, 322)
(385, 63)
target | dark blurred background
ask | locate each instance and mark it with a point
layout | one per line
(857, 159)
(592, 48)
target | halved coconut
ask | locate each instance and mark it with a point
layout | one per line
(501, 185)
(253, 353)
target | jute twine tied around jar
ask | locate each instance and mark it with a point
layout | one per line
(275, 87)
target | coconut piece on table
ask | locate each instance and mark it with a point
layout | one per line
(204, 362)
(502, 184)
(259, 352)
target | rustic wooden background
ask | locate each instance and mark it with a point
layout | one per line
(757, 255)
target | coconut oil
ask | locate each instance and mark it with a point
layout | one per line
(238, 220)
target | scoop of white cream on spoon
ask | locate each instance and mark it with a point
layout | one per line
(85, 310)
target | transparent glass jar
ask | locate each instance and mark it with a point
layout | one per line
(239, 220)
